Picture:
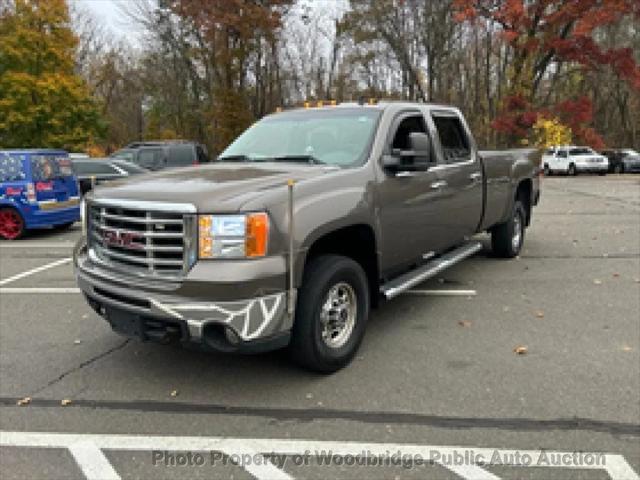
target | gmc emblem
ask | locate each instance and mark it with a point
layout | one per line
(122, 239)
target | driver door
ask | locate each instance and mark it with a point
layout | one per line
(411, 205)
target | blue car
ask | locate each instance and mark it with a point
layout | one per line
(38, 189)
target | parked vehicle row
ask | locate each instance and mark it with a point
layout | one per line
(572, 160)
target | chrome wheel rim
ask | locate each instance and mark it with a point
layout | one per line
(338, 315)
(517, 232)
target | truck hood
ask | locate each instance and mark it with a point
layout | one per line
(221, 187)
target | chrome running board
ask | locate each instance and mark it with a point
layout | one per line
(395, 287)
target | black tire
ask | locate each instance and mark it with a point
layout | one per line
(573, 171)
(546, 170)
(618, 168)
(308, 348)
(602, 174)
(503, 241)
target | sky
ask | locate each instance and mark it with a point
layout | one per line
(107, 12)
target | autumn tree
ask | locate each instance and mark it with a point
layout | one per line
(545, 36)
(43, 102)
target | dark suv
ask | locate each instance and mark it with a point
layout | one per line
(622, 160)
(167, 154)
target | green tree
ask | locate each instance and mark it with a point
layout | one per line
(43, 102)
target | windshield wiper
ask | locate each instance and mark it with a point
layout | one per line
(300, 158)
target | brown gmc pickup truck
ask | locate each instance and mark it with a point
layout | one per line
(305, 222)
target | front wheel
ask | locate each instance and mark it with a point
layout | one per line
(573, 171)
(507, 238)
(546, 170)
(11, 224)
(331, 313)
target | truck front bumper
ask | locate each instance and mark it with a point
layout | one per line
(176, 312)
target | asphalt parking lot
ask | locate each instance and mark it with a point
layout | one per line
(436, 377)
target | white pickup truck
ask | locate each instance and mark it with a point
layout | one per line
(572, 160)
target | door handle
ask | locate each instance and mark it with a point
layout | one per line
(475, 177)
(439, 184)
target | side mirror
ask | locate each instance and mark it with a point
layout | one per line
(420, 144)
(416, 158)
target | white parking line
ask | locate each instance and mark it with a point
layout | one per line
(443, 293)
(35, 270)
(39, 290)
(25, 245)
(465, 461)
(92, 461)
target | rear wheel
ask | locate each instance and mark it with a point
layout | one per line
(619, 168)
(547, 170)
(331, 313)
(572, 170)
(507, 238)
(11, 224)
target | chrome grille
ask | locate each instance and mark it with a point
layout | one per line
(140, 240)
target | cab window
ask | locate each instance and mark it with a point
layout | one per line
(410, 124)
(454, 141)
(180, 155)
(150, 157)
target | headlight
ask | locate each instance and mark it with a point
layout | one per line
(233, 236)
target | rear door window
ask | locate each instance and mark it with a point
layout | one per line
(152, 158)
(11, 168)
(181, 155)
(49, 167)
(454, 141)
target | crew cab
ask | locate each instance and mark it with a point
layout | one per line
(306, 221)
(38, 189)
(572, 160)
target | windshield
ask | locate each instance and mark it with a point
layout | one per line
(582, 151)
(333, 137)
(124, 154)
(631, 153)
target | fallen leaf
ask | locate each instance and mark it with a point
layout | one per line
(24, 401)
(637, 280)
(616, 275)
(597, 282)
(174, 393)
(540, 314)
(626, 348)
(309, 396)
(65, 402)
(505, 309)
(520, 349)
(77, 342)
(464, 323)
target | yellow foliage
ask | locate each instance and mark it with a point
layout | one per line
(43, 102)
(550, 131)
